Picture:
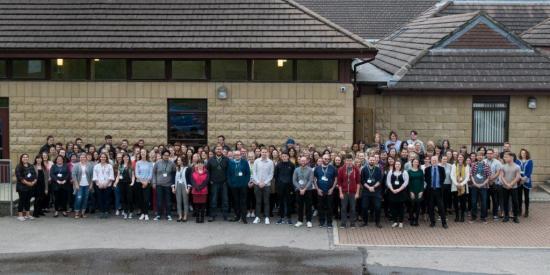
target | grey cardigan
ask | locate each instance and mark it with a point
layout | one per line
(305, 176)
(77, 173)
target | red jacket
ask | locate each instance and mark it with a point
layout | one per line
(354, 179)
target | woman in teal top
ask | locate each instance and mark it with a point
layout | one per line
(416, 190)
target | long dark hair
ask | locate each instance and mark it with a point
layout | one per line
(39, 156)
(21, 159)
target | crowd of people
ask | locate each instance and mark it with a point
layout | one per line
(250, 183)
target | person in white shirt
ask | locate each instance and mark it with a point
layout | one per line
(397, 182)
(262, 176)
(103, 177)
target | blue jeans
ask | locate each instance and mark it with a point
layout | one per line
(163, 194)
(474, 191)
(81, 199)
(117, 197)
(215, 189)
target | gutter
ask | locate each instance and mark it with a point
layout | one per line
(355, 66)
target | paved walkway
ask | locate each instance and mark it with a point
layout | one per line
(532, 232)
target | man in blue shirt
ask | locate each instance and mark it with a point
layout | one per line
(325, 182)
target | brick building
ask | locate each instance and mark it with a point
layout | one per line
(172, 71)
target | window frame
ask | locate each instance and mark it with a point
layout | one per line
(491, 99)
(46, 65)
(248, 70)
(338, 71)
(206, 70)
(129, 70)
(184, 141)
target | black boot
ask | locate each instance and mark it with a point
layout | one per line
(203, 213)
(197, 215)
(457, 217)
(462, 216)
(526, 213)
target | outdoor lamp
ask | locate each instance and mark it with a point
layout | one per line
(60, 62)
(281, 62)
(223, 93)
(532, 103)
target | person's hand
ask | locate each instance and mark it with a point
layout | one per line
(250, 184)
(173, 190)
(330, 191)
(371, 189)
(46, 193)
(356, 195)
(319, 192)
(411, 195)
(420, 195)
(302, 192)
(187, 190)
(341, 196)
(262, 184)
(144, 185)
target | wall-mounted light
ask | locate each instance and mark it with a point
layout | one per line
(96, 59)
(532, 103)
(343, 89)
(281, 62)
(59, 62)
(223, 93)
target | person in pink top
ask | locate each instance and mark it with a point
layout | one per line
(199, 189)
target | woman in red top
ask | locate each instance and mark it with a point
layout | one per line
(199, 189)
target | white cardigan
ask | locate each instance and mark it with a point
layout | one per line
(455, 180)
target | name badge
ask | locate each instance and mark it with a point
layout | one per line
(240, 174)
(121, 177)
(59, 175)
(323, 178)
(397, 182)
(29, 175)
(165, 175)
(301, 182)
(369, 181)
(479, 176)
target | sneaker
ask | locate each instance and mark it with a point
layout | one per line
(400, 225)
(253, 215)
(248, 215)
(343, 225)
(266, 220)
(289, 222)
(322, 225)
(156, 218)
(298, 224)
(146, 217)
(280, 221)
(21, 219)
(329, 226)
(169, 218)
(124, 215)
(394, 225)
(130, 216)
(29, 218)
(352, 225)
(309, 225)
(256, 220)
(141, 217)
(117, 213)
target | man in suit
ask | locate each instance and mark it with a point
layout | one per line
(434, 176)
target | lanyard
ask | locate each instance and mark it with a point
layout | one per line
(371, 172)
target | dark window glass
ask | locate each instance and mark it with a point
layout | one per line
(148, 69)
(490, 122)
(68, 69)
(189, 69)
(187, 120)
(3, 69)
(229, 70)
(317, 70)
(28, 69)
(109, 69)
(273, 70)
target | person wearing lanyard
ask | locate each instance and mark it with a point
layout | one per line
(263, 175)
(397, 181)
(325, 182)
(82, 175)
(495, 188)
(480, 175)
(125, 181)
(415, 190)
(163, 173)
(238, 179)
(103, 177)
(302, 180)
(59, 175)
(510, 175)
(217, 169)
(284, 170)
(26, 180)
(371, 194)
(526, 164)
(349, 183)
(434, 176)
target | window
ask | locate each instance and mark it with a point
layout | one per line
(231, 70)
(28, 69)
(68, 69)
(490, 121)
(187, 119)
(273, 70)
(148, 69)
(3, 73)
(189, 70)
(317, 70)
(108, 69)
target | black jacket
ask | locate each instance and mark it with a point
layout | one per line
(283, 173)
(428, 176)
(217, 170)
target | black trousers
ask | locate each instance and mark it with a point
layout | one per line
(24, 201)
(126, 196)
(325, 209)
(494, 197)
(370, 202)
(508, 194)
(397, 211)
(304, 201)
(523, 193)
(61, 199)
(459, 203)
(447, 197)
(239, 201)
(436, 199)
(414, 212)
(283, 196)
(143, 198)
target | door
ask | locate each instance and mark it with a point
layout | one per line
(364, 125)
(4, 129)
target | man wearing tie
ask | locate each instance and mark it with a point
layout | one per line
(434, 176)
